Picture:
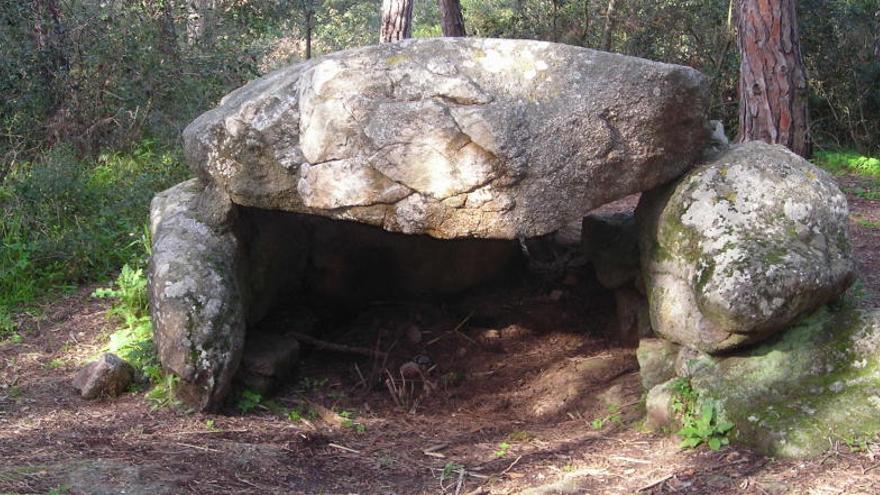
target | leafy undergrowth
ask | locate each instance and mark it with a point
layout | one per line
(133, 338)
(700, 419)
(64, 221)
(850, 162)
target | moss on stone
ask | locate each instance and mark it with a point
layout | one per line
(818, 380)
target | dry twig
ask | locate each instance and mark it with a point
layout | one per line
(330, 346)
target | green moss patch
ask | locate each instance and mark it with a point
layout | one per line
(817, 381)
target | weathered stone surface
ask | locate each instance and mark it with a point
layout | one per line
(611, 242)
(108, 376)
(741, 246)
(796, 393)
(453, 137)
(268, 362)
(657, 359)
(659, 410)
(195, 295)
(633, 316)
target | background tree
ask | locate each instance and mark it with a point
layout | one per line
(396, 20)
(451, 19)
(773, 83)
(610, 21)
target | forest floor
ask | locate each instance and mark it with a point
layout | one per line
(526, 397)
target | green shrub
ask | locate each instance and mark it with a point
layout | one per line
(705, 427)
(701, 419)
(64, 221)
(249, 401)
(133, 339)
(848, 162)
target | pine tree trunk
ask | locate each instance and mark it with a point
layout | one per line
(308, 13)
(451, 19)
(877, 36)
(773, 83)
(585, 24)
(396, 20)
(609, 25)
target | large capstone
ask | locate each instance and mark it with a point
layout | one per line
(742, 246)
(453, 137)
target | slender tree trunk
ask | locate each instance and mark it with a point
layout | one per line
(609, 25)
(555, 28)
(396, 20)
(772, 83)
(877, 35)
(168, 44)
(585, 33)
(50, 40)
(200, 15)
(451, 19)
(309, 13)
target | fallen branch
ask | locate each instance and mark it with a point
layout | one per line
(458, 485)
(510, 467)
(341, 447)
(330, 346)
(655, 483)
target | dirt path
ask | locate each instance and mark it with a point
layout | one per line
(529, 399)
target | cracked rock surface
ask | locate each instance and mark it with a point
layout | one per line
(453, 137)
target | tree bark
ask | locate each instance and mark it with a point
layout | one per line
(585, 25)
(50, 41)
(396, 20)
(877, 35)
(200, 17)
(308, 13)
(451, 20)
(773, 83)
(609, 25)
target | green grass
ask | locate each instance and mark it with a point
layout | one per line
(65, 221)
(868, 224)
(848, 162)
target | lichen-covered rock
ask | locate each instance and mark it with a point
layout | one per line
(108, 376)
(196, 301)
(453, 137)
(657, 359)
(815, 382)
(741, 246)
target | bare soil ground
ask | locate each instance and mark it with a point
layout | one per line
(528, 397)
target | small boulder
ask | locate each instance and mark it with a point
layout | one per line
(610, 242)
(268, 362)
(741, 246)
(659, 406)
(657, 358)
(633, 316)
(108, 376)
